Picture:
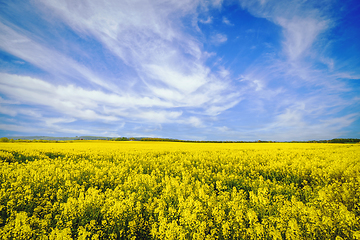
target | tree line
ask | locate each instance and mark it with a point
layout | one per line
(335, 140)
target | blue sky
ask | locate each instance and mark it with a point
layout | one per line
(191, 69)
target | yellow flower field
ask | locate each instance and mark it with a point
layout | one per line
(167, 190)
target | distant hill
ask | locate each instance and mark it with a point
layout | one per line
(59, 138)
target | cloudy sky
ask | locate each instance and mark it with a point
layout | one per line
(189, 69)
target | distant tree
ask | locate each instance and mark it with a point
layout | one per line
(344, 140)
(121, 139)
(4, 139)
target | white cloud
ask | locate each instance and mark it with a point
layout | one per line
(14, 110)
(223, 72)
(216, 109)
(227, 22)
(158, 116)
(300, 34)
(52, 121)
(6, 101)
(223, 129)
(290, 118)
(139, 32)
(207, 21)
(148, 37)
(218, 38)
(292, 126)
(24, 47)
(255, 81)
(18, 128)
(196, 122)
(7, 111)
(346, 75)
(304, 29)
(73, 101)
(95, 105)
(177, 80)
(301, 22)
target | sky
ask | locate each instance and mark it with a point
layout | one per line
(192, 69)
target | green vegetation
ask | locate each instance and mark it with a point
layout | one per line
(4, 139)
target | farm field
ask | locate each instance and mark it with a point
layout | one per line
(168, 190)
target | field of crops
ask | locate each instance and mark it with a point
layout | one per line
(166, 190)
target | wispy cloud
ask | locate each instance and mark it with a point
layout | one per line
(207, 21)
(218, 38)
(79, 103)
(22, 46)
(168, 64)
(300, 34)
(73, 101)
(292, 125)
(149, 40)
(301, 22)
(296, 68)
(226, 21)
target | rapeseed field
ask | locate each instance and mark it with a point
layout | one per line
(166, 190)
